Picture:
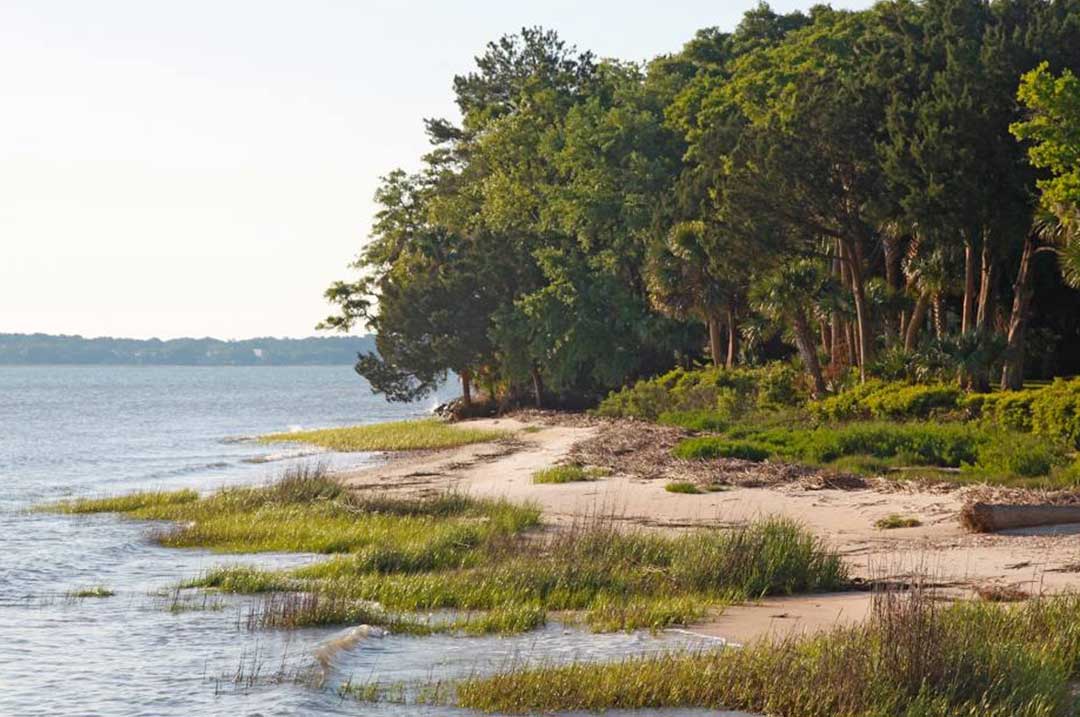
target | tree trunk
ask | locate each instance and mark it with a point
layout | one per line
(989, 518)
(918, 318)
(1012, 374)
(714, 339)
(826, 346)
(538, 386)
(939, 315)
(862, 310)
(466, 389)
(986, 288)
(894, 321)
(967, 319)
(733, 337)
(804, 338)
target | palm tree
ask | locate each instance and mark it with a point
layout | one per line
(682, 285)
(784, 294)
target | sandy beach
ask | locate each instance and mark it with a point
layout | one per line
(841, 511)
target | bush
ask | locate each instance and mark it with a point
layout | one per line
(878, 399)
(705, 448)
(1056, 411)
(1020, 455)
(728, 392)
(941, 445)
(1009, 410)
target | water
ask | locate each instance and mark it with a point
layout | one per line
(73, 431)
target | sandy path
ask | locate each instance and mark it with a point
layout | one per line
(1033, 560)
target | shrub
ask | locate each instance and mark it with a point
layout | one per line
(1056, 411)
(914, 401)
(1009, 410)
(705, 448)
(728, 392)
(878, 399)
(1020, 455)
(891, 522)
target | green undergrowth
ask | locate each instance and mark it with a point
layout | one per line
(956, 452)
(94, 591)
(683, 487)
(430, 433)
(914, 657)
(394, 558)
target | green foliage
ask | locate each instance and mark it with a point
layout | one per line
(706, 396)
(1056, 412)
(94, 591)
(1009, 410)
(393, 436)
(897, 401)
(1020, 455)
(705, 421)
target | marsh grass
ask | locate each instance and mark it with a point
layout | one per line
(567, 474)
(429, 433)
(613, 579)
(481, 558)
(914, 657)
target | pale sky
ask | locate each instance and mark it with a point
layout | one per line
(206, 167)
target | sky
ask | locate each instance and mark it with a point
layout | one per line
(206, 167)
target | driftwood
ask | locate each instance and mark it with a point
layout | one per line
(990, 518)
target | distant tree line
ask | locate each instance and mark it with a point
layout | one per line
(46, 349)
(862, 189)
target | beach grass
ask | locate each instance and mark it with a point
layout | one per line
(422, 434)
(567, 474)
(683, 487)
(148, 501)
(913, 657)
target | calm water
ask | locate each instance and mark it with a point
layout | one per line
(73, 431)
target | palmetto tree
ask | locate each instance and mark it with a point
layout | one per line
(683, 285)
(784, 294)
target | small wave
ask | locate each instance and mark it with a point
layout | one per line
(186, 470)
(283, 456)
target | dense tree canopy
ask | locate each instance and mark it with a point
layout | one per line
(852, 188)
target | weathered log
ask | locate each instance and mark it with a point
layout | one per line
(990, 518)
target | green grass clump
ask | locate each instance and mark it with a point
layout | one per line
(95, 591)
(430, 433)
(913, 657)
(567, 474)
(683, 487)
(891, 522)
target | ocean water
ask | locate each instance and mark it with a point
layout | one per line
(75, 431)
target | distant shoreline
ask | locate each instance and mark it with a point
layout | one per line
(52, 350)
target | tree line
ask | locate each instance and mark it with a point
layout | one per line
(869, 191)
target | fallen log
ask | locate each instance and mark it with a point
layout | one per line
(990, 518)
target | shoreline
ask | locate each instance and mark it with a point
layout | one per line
(940, 551)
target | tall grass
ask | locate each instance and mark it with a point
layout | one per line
(913, 657)
(413, 435)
